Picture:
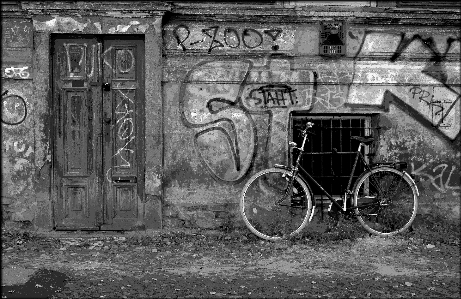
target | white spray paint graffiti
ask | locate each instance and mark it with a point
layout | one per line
(17, 72)
(18, 167)
(441, 176)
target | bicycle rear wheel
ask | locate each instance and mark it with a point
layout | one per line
(274, 206)
(386, 201)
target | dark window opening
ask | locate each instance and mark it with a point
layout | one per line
(330, 170)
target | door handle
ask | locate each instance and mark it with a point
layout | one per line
(106, 86)
(107, 120)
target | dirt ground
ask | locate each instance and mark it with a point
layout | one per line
(191, 264)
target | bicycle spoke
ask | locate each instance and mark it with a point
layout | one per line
(394, 199)
(274, 205)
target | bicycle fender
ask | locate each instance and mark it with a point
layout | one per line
(411, 180)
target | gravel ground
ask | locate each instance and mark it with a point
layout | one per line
(238, 265)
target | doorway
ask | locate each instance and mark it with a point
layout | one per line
(98, 135)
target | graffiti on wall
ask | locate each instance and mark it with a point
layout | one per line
(233, 120)
(442, 176)
(212, 38)
(333, 85)
(17, 168)
(16, 72)
(435, 108)
(16, 33)
(125, 128)
(240, 107)
(14, 109)
(440, 106)
(16, 48)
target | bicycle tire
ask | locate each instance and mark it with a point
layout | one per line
(392, 199)
(265, 218)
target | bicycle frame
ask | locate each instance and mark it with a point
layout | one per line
(305, 174)
(346, 192)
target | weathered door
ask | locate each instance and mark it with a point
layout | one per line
(98, 94)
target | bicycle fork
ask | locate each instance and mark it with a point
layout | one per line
(289, 189)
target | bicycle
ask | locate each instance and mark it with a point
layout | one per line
(277, 203)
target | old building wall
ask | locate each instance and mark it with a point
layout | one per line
(218, 103)
(28, 192)
(218, 130)
(18, 120)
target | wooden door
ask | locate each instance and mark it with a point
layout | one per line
(98, 107)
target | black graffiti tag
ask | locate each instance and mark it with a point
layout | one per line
(250, 38)
(214, 29)
(437, 106)
(176, 34)
(273, 96)
(14, 109)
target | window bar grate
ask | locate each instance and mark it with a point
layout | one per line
(318, 159)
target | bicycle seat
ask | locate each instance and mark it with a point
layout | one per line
(365, 140)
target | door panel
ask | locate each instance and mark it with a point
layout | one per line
(99, 102)
(75, 128)
(122, 98)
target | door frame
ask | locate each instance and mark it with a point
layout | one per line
(140, 131)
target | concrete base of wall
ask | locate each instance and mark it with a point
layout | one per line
(227, 217)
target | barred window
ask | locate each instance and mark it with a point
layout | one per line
(330, 170)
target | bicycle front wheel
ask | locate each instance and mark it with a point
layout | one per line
(386, 201)
(275, 206)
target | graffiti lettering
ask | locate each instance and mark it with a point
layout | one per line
(217, 38)
(213, 38)
(229, 35)
(436, 107)
(17, 72)
(251, 38)
(18, 147)
(17, 33)
(17, 167)
(332, 86)
(14, 109)
(440, 114)
(178, 32)
(438, 176)
(273, 96)
(125, 60)
(125, 129)
(233, 122)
